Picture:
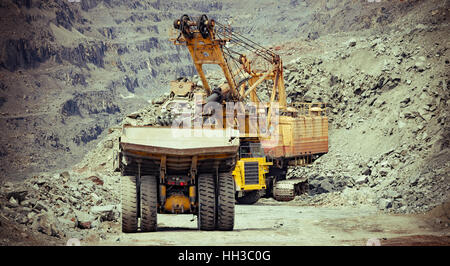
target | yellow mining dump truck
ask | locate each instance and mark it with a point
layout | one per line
(302, 138)
(250, 173)
(177, 171)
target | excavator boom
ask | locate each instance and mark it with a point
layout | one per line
(207, 42)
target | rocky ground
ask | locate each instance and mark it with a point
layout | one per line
(63, 205)
(388, 112)
(382, 68)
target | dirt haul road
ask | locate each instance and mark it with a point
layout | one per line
(270, 223)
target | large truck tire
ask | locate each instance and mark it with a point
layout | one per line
(206, 202)
(250, 197)
(225, 202)
(269, 187)
(149, 201)
(130, 208)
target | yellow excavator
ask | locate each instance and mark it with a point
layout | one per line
(201, 170)
(298, 133)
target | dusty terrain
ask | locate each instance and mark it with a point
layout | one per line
(265, 224)
(271, 223)
(70, 76)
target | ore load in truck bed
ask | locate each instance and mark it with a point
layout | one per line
(149, 146)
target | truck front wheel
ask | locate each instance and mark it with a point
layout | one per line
(250, 197)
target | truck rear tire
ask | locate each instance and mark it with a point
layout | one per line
(130, 208)
(149, 201)
(225, 202)
(250, 197)
(206, 202)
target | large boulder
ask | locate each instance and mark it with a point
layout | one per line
(47, 223)
(106, 213)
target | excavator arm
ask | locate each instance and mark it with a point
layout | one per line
(207, 42)
(200, 38)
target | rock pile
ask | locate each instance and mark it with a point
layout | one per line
(388, 113)
(64, 205)
(79, 203)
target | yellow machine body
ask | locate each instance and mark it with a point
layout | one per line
(249, 173)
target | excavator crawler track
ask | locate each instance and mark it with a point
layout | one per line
(286, 190)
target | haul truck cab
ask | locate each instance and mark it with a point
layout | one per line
(250, 173)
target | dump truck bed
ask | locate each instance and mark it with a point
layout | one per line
(165, 140)
(145, 148)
